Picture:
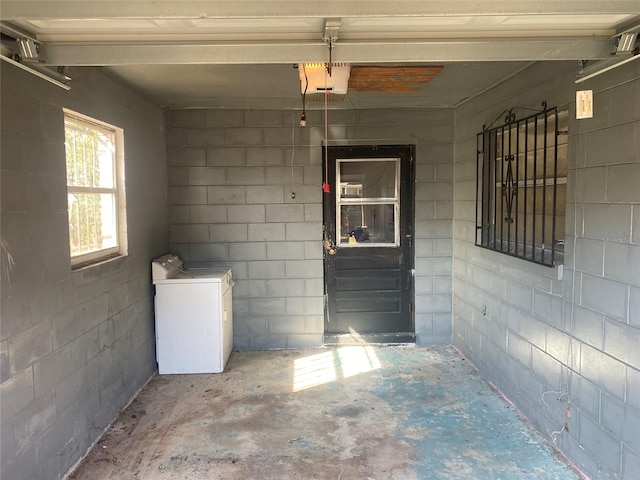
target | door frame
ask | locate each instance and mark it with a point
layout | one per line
(407, 209)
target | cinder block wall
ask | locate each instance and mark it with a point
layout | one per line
(231, 175)
(544, 339)
(75, 346)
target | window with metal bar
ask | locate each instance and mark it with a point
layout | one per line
(521, 186)
(95, 189)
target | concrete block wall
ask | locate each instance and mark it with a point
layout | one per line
(74, 346)
(231, 176)
(565, 351)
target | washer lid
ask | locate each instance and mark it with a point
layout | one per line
(198, 275)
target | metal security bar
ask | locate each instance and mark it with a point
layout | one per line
(521, 186)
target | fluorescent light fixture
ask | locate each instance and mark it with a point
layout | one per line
(34, 71)
(28, 49)
(627, 42)
(604, 69)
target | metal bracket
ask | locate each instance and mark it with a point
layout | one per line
(330, 36)
(331, 28)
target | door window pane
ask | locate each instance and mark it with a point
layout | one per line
(369, 202)
(368, 179)
(367, 224)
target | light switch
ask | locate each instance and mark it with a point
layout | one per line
(584, 104)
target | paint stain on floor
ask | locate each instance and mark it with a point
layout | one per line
(352, 412)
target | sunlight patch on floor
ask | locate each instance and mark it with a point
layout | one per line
(342, 362)
(313, 371)
(354, 360)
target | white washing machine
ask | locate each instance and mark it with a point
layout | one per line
(194, 317)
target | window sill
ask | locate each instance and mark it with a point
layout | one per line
(553, 272)
(97, 262)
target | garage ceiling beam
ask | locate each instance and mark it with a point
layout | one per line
(351, 52)
(127, 9)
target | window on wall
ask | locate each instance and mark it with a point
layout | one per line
(521, 186)
(95, 189)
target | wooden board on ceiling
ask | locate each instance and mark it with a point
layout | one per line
(391, 78)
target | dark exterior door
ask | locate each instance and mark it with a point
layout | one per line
(368, 254)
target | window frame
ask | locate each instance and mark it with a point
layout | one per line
(524, 158)
(117, 190)
(367, 201)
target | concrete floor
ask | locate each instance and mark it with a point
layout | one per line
(342, 413)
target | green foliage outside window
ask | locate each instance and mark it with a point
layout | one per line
(90, 186)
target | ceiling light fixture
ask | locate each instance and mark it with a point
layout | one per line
(21, 49)
(626, 43)
(312, 78)
(28, 49)
(626, 51)
(600, 68)
(37, 70)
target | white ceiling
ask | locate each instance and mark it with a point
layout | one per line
(240, 53)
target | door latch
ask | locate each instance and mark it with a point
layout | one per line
(329, 247)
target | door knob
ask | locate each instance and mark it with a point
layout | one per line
(329, 247)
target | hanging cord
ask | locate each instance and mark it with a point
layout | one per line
(329, 246)
(355, 111)
(303, 117)
(303, 123)
(565, 396)
(573, 286)
(325, 187)
(293, 146)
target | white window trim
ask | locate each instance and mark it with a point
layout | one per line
(395, 201)
(78, 261)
